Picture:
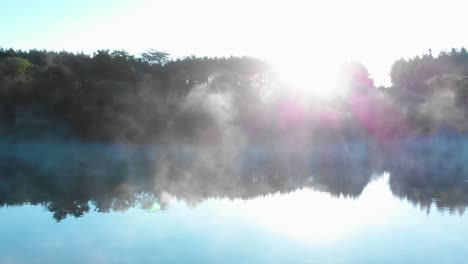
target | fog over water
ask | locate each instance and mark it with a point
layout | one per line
(70, 176)
(66, 199)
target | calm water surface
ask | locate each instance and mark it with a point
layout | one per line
(69, 202)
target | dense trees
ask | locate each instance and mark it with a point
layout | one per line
(113, 95)
(432, 90)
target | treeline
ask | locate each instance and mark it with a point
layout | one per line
(124, 98)
(114, 95)
(432, 91)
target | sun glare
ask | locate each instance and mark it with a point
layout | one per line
(325, 218)
(309, 77)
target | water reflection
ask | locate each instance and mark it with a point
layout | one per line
(317, 217)
(72, 177)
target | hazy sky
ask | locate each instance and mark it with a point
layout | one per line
(314, 35)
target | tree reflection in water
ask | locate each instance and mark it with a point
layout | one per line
(71, 177)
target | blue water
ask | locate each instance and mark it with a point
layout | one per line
(374, 228)
(70, 201)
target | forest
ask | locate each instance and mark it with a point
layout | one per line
(118, 97)
(126, 130)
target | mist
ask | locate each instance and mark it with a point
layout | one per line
(125, 130)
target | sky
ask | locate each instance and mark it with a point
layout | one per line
(309, 37)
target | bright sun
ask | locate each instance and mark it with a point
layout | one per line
(309, 77)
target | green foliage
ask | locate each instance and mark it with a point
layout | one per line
(15, 67)
(111, 94)
(115, 95)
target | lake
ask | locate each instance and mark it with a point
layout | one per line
(71, 201)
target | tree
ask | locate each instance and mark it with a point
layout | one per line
(155, 57)
(15, 67)
(356, 77)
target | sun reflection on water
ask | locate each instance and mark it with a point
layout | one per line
(310, 215)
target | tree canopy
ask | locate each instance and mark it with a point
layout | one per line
(113, 95)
